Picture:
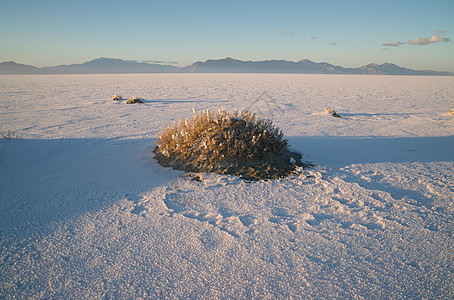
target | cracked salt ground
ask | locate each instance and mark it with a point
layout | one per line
(321, 231)
(340, 214)
(237, 214)
(185, 197)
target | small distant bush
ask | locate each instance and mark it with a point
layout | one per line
(116, 97)
(8, 134)
(235, 143)
(331, 111)
(134, 100)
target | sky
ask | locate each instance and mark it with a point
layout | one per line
(350, 33)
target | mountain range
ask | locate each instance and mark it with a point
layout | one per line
(226, 65)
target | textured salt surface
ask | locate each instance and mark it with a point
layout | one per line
(88, 213)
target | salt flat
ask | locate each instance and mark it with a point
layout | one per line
(88, 213)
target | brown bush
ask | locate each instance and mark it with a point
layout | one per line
(116, 97)
(235, 143)
(134, 100)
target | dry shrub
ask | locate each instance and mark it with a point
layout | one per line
(331, 111)
(235, 143)
(451, 112)
(134, 100)
(116, 97)
(9, 134)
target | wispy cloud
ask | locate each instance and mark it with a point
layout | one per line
(333, 44)
(429, 40)
(394, 44)
(419, 41)
(314, 37)
(286, 33)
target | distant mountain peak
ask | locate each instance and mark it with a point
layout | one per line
(106, 60)
(11, 67)
(305, 60)
(230, 59)
(13, 63)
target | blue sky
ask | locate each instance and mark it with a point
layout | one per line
(350, 33)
